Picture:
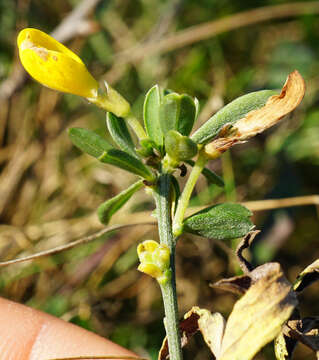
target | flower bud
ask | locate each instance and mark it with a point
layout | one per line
(155, 260)
(57, 67)
(54, 65)
(179, 147)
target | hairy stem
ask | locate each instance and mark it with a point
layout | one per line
(163, 208)
(186, 194)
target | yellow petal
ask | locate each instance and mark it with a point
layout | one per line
(54, 65)
(43, 40)
(150, 269)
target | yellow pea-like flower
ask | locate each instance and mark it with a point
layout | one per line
(57, 67)
(54, 65)
(155, 260)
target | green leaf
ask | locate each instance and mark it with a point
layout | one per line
(221, 221)
(210, 175)
(120, 133)
(151, 115)
(127, 162)
(89, 142)
(169, 112)
(187, 116)
(93, 144)
(229, 114)
(111, 206)
(177, 112)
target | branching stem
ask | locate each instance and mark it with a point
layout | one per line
(186, 194)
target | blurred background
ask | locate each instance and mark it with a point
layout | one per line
(215, 50)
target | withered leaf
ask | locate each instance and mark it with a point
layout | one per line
(237, 284)
(284, 347)
(257, 317)
(305, 330)
(257, 121)
(210, 325)
(275, 109)
(245, 244)
(307, 276)
(188, 327)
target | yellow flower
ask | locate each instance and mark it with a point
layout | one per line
(54, 65)
(155, 260)
(57, 67)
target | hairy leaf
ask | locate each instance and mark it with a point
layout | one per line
(120, 133)
(93, 144)
(151, 115)
(262, 118)
(187, 115)
(177, 112)
(127, 162)
(222, 221)
(89, 142)
(111, 206)
(229, 114)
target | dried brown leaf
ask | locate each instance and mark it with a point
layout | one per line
(257, 317)
(237, 284)
(188, 327)
(275, 109)
(284, 347)
(305, 330)
(263, 118)
(245, 244)
(210, 325)
(307, 276)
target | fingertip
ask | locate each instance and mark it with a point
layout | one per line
(30, 334)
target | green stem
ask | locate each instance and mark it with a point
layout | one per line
(163, 208)
(186, 194)
(136, 126)
(229, 177)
